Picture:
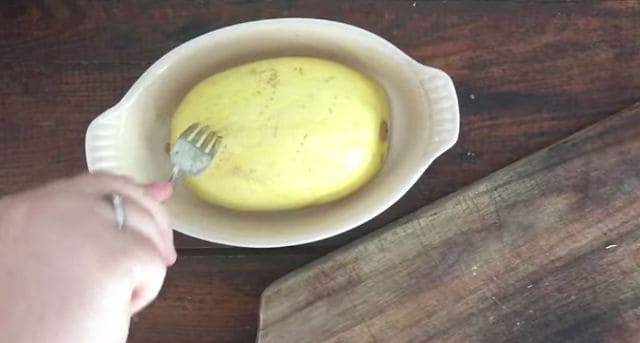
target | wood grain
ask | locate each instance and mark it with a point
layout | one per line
(545, 250)
(213, 298)
(528, 73)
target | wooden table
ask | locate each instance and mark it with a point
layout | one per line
(527, 74)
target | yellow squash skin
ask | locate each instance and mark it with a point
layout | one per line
(297, 131)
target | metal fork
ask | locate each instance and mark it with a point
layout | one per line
(194, 151)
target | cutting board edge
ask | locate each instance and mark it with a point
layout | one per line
(395, 224)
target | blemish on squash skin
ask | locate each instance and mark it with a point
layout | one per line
(383, 134)
(167, 148)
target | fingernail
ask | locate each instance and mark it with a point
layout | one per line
(160, 191)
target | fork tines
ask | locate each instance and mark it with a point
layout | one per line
(202, 137)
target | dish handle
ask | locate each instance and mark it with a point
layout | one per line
(103, 141)
(443, 104)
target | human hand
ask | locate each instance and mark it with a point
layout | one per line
(67, 274)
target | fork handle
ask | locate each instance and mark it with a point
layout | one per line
(176, 175)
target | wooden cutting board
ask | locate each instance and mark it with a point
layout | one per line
(545, 250)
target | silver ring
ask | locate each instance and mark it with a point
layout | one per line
(118, 209)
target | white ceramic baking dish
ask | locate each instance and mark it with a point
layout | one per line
(130, 137)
